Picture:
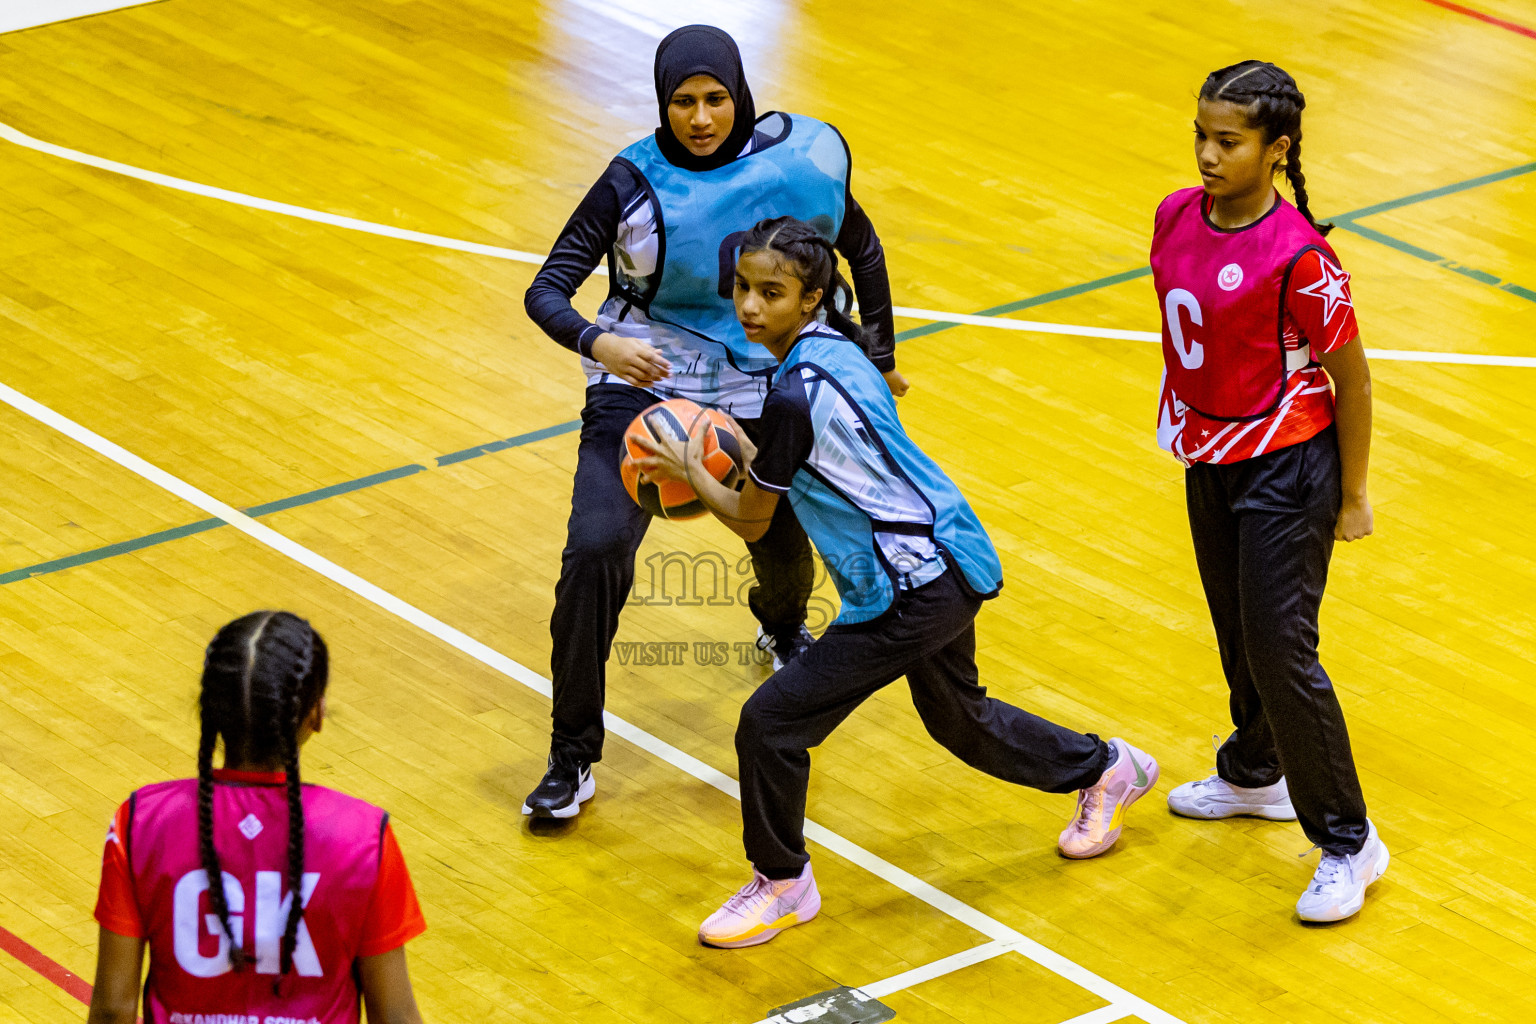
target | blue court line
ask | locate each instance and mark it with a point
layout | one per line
(1344, 220)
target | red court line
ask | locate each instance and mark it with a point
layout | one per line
(1480, 16)
(46, 966)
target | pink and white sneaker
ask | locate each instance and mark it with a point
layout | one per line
(1101, 807)
(762, 909)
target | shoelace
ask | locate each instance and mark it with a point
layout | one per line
(751, 896)
(1090, 804)
(1328, 869)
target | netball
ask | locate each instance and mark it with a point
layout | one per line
(673, 420)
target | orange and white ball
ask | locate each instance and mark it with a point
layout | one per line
(674, 420)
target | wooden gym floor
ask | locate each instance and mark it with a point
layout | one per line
(317, 374)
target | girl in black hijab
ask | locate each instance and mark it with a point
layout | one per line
(665, 214)
(702, 50)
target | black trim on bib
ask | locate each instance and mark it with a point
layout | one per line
(1205, 215)
(133, 805)
(615, 288)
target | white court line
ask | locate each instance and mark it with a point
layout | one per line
(1038, 327)
(937, 969)
(825, 837)
(906, 979)
(16, 15)
(257, 203)
(518, 256)
(1032, 326)
(1103, 1015)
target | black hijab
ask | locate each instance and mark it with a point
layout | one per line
(702, 50)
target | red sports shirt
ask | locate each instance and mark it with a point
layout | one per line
(1245, 313)
(358, 898)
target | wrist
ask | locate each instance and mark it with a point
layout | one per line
(586, 342)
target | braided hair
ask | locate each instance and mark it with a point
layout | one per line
(1274, 103)
(813, 260)
(262, 675)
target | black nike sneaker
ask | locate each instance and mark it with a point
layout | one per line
(785, 647)
(566, 786)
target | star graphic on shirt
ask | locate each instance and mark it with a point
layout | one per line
(1332, 288)
(1205, 433)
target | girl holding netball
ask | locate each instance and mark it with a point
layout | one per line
(668, 213)
(912, 565)
(249, 946)
(1257, 319)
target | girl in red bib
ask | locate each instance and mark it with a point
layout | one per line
(1257, 320)
(247, 949)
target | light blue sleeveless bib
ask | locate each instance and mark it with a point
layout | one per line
(882, 514)
(800, 169)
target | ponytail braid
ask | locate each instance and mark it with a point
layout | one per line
(1274, 103)
(1299, 185)
(208, 853)
(295, 715)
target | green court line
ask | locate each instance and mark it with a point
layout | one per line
(1424, 254)
(511, 442)
(1436, 193)
(1344, 220)
(1347, 221)
(280, 505)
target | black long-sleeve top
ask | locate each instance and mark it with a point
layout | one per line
(590, 235)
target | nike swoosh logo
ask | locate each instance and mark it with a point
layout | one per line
(1141, 776)
(787, 907)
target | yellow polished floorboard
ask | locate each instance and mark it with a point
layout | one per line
(1008, 152)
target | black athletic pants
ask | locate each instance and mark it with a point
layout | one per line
(930, 638)
(1263, 531)
(597, 570)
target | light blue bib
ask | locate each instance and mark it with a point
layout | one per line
(882, 514)
(800, 169)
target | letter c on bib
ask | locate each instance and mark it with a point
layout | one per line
(1191, 352)
(188, 928)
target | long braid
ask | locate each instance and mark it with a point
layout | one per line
(208, 852)
(1274, 103)
(295, 714)
(1299, 185)
(264, 673)
(212, 717)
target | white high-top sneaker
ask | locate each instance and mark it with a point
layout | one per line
(1216, 798)
(1338, 886)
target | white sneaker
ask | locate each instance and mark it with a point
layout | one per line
(1338, 886)
(784, 648)
(1216, 798)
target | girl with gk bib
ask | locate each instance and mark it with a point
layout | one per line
(313, 904)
